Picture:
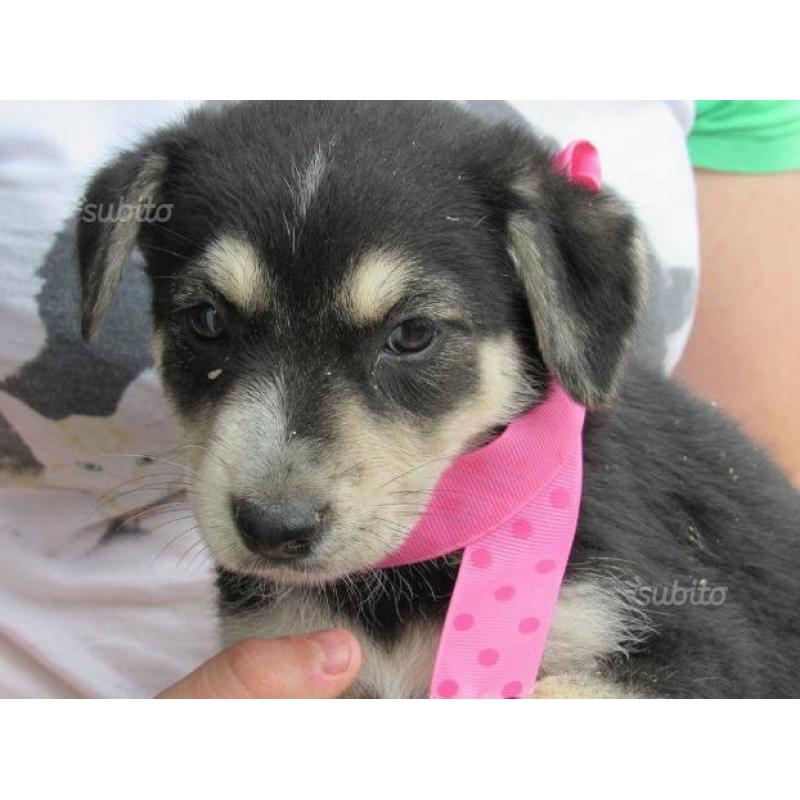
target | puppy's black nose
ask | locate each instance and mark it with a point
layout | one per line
(278, 531)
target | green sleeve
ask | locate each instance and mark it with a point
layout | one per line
(748, 136)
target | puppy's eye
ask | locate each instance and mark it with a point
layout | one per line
(412, 336)
(205, 321)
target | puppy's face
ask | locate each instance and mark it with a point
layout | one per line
(323, 411)
(347, 297)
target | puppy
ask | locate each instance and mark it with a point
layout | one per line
(347, 296)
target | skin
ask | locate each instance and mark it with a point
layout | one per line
(321, 665)
(743, 350)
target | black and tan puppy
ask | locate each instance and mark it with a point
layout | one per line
(346, 296)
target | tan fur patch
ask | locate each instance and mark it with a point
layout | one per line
(501, 395)
(574, 687)
(376, 283)
(237, 271)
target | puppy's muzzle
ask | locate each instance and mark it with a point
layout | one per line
(278, 531)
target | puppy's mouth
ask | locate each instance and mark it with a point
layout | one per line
(309, 570)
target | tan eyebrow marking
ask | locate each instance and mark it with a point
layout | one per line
(237, 271)
(377, 282)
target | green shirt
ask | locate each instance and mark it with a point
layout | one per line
(750, 136)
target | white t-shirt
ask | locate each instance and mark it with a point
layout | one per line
(89, 607)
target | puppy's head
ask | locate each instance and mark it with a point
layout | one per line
(347, 297)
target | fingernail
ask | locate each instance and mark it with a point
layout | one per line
(337, 650)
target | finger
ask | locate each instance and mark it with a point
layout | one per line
(322, 664)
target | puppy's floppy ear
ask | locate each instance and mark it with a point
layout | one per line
(582, 259)
(108, 226)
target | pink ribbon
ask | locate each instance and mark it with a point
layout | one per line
(580, 162)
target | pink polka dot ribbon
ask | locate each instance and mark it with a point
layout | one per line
(512, 506)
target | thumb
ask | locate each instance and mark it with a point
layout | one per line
(319, 665)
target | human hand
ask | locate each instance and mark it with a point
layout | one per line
(319, 665)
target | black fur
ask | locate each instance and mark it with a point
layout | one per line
(672, 492)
